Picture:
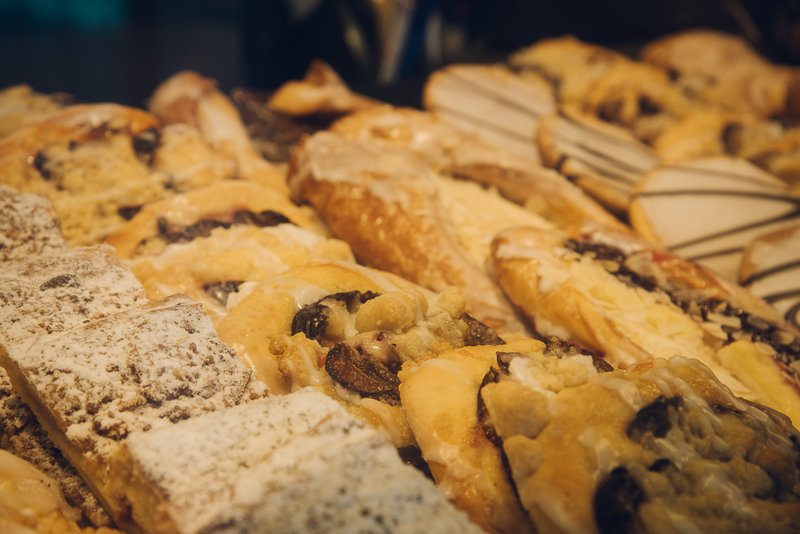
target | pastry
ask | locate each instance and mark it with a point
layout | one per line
(771, 270)
(28, 226)
(457, 154)
(632, 302)
(209, 269)
(398, 215)
(190, 98)
(182, 218)
(670, 449)
(30, 501)
(723, 69)
(491, 102)
(570, 66)
(140, 369)
(98, 164)
(603, 159)
(440, 399)
(320, 92)
(708, 209)
(296, 463)
(21, 105)
(347, 329)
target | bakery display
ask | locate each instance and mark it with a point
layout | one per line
(311, 311)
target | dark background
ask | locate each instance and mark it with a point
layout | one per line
(120, 50)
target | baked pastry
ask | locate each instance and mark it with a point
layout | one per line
(770, 269)
(602, 159)
(140, 369)
(398, 215)
(440, 399)
(21, 105)
(461, 155)
(181, 218)
(209, 269)
(28, 226)
(30, 501)
(671, 449)
(346, 329)
(189, 98)
(638, 97)
(724, 70)
(570, 66)
(708, 209)
(320, 92)
(631, 302)
(99, 163)
(296, 463)
(491, 102)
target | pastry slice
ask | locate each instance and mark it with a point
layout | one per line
(30, 501)
(631, 302)
(491, 102)
(189, 98)
(461, 155)
(708, 210)
(661, 447)
(209, 269)
(399, 215)
(296, 463)
(140, 369)
(771, 270)
(28, 226)
(602, 159)
(346, 329)
(182, 218)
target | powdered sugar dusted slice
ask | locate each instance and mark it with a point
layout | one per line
(141, 369)
(296, 463)
(27, 225)
(49, 294)
(21, 435)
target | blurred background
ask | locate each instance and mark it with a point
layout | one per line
(120, 50)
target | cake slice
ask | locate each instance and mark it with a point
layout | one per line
(141, 369)
(27, 226)
(295, 463)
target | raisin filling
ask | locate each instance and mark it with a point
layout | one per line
(203, 228)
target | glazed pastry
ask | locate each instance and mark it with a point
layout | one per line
(28, 226)
(140, 369)
(181, 218)
(398, 215)
(190, 98)
(661, 447)
(209, 269)
(491, 102)
(724, 70)
(707, 210)
(346, 329)
(602, 159)
(296, 463)
(771, 270)
(21, 105)
(632, 302)
(440, 399)
(30, 501)
(456, 154)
